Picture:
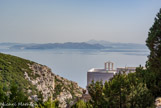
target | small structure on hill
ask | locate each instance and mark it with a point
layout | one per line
(101, 74)
(107, 73)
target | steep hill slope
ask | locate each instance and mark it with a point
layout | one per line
(36, 79)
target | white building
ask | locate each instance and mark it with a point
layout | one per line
(126, 69)
(101, 74)
(107, 73)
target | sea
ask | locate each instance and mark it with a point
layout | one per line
(73, 64)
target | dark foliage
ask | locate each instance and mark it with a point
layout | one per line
(153, 64)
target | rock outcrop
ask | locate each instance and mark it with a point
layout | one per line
(51, 85)
(158, 102)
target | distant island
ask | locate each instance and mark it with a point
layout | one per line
(92, 44)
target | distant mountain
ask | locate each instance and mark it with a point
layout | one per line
(115, 45)
(92, 44)
(68, 45)
(7, 45)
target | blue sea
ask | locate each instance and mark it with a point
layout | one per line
(73, 64)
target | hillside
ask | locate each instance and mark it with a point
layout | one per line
(36, 79)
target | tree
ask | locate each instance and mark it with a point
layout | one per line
(48, 104)
(51, 104)
(80, 104)
(140, 96)
(96, 92)
(17, 96)
(153, 64)
(2, 94)
(117, 90)
(122, 91)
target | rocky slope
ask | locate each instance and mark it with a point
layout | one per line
(38, 79)
(51, 85)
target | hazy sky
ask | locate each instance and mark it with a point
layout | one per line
(50, 21)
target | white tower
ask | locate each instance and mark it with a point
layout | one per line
(108, 66)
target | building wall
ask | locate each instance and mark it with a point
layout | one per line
(98, 76)
(126, 70)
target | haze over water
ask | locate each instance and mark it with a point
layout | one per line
(74, 64)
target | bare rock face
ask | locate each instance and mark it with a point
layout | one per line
(158, 102)
(63, 97)
(51, 85)
(66, 91)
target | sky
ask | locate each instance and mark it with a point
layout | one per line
(58, 21)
